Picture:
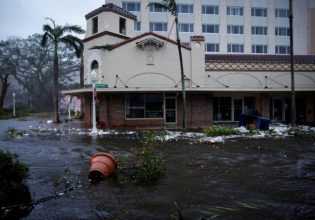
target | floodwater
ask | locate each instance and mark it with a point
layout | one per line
(241, 178)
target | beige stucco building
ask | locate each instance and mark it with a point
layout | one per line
(139, 83)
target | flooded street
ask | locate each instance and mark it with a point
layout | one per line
(242, 178)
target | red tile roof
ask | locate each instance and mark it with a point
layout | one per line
(113, 8)
(146, 34)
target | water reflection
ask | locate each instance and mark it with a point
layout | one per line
(238, 179)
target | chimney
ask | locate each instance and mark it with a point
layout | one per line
(197, 44)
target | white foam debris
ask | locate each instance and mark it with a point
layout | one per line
(49, 121)
(212, 140)
(280, 129)
(241, 129)
(276, 130)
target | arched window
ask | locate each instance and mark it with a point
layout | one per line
(94, 65)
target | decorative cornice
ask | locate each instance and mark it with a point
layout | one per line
(150, 41)
(259, 58)
(197, 38)
(258, 63)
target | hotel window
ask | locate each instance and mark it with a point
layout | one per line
(137, 25)
(233, 10)
(156, 8)
(281, 13)
(140, 105)
(259, 12)
(259, 48)
(257, 30)
(94, 25)
(235, 29)
(158, 26)
(210, 9)
(211, 47)
(236, 48)
(210, 28)
(183, 8)
(282, 49)
(131, 6)
(185, 27)
(282, 31)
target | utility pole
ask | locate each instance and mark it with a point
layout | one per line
(293, 107)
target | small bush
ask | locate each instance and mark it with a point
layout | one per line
(12, 189)
(12, 171)
(253, 132)
(219, 130)
(271, 133)
(152, 135)
(152, 166)
(20, 111)
(146, 167)
(296, 132)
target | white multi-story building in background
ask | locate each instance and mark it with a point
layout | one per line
(235, 62)
(232, 26)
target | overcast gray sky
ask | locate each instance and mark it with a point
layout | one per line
(26, 17)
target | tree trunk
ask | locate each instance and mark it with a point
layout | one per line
(56, 119)
(5, 85)
(182, 75)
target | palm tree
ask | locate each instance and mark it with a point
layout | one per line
(171, 6)
(57, 35)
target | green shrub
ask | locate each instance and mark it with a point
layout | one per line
(296, 132)
(153, 134)
(20, 111)
(151, 165)
(12, 171)
(12, 189)
(219, 130)
(146, 167)
(271, 133)
(253, 132)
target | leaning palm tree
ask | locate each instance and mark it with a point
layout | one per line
(171, 6)
(58, 35)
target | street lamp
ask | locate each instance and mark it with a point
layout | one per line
(93, 80)
(13, 94)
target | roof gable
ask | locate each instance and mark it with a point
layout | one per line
(148, 34)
